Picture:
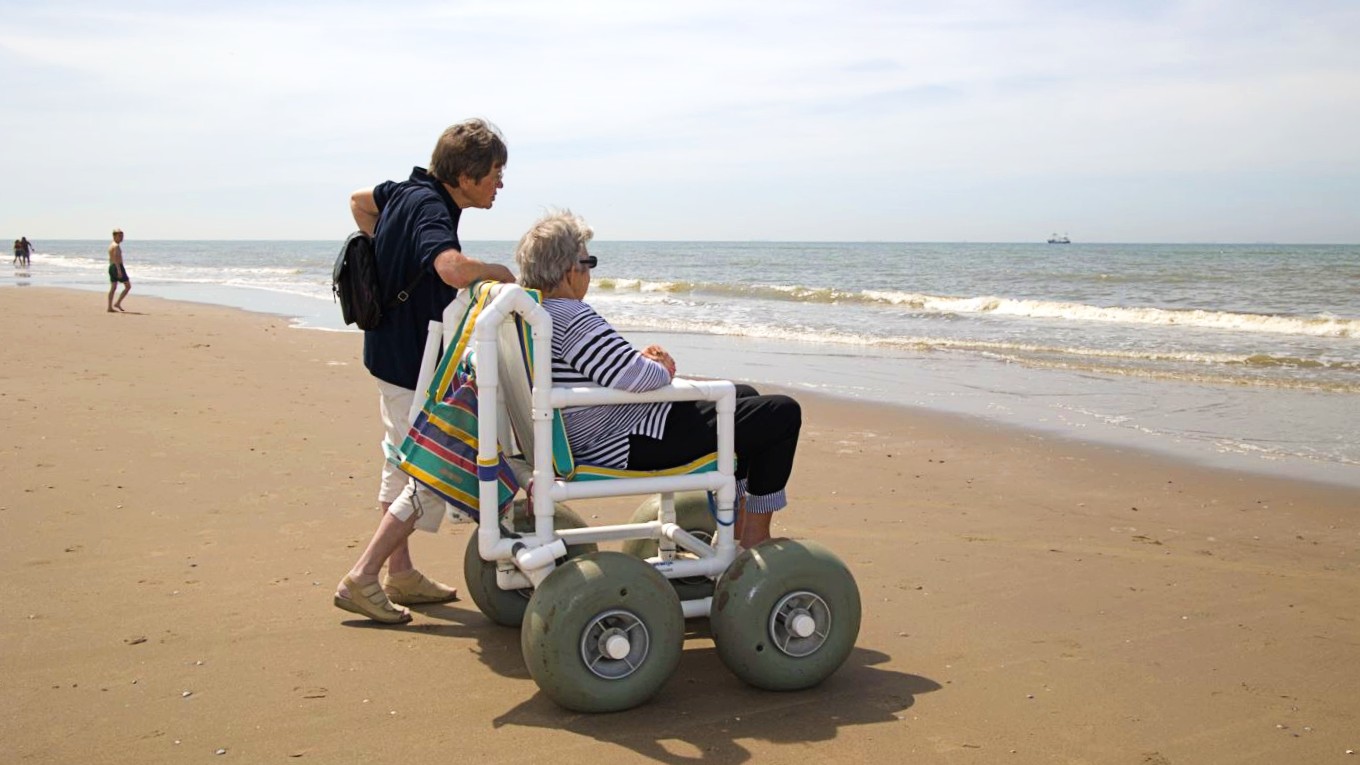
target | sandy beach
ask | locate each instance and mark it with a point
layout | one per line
(183, 485)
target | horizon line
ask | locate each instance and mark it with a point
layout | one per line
(1258, 243)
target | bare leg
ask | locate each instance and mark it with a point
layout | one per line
(750, 529)
(739, 518)
(754, 528)
(391, 535)
(112, 288)
(127, 287)
(399, 562)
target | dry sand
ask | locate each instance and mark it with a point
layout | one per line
(182, 486)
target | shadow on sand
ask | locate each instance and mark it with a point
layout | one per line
(704, 711)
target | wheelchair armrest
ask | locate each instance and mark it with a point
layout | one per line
(679, 389)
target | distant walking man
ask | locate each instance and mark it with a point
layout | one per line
(116, 271)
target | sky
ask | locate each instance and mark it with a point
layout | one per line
(968, 120)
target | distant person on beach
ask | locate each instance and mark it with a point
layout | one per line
(28, 249)
(18, 253)
(552, 257)
(414, 224)
(117, 273)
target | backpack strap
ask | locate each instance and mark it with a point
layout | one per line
(405, 293)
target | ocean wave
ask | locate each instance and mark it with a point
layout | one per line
(644, 286)
(1314, 326)
(205, 274)
(1197, 375)
(750, 291)
(1011, 351)
(303, 290)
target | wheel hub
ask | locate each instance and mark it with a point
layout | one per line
(800, 623)
(614, 644)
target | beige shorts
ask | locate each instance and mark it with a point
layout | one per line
(407, 497)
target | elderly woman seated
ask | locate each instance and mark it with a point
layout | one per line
(552, 258)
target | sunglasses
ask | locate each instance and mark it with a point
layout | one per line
(589, 261)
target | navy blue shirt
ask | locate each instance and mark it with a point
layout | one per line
(417, 220)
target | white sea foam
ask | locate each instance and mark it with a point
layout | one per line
(1317, 326)
(640, 285)
(1314, 326)
(917, 342)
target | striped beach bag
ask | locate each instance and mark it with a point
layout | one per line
(440, 450)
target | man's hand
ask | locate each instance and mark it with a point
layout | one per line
(498, 273)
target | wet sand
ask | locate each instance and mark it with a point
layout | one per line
(183, 486)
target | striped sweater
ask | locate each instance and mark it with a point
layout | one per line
(587, 350)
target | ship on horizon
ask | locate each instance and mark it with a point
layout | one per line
(1055, 239)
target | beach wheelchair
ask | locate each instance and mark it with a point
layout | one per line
(603, 630)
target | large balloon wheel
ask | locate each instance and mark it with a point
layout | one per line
(785, 615)
(602, 633)
(506, 607)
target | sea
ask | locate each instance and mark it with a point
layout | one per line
(1243, 356)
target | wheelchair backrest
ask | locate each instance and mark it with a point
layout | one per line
(514, 362)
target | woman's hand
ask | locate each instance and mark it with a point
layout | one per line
(658, 354)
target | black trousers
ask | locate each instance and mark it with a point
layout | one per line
(766, 438)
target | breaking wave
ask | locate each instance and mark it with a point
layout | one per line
(1315, 326)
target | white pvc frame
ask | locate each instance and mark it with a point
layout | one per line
(527, 560)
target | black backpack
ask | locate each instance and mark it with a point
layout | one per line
(354, 282)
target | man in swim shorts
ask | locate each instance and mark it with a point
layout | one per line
(117, 274)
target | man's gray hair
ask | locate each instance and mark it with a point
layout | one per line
(471, 148)
(551, 248)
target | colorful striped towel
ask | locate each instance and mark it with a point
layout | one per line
(440, 450)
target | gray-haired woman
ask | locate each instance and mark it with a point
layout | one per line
(554, 259)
